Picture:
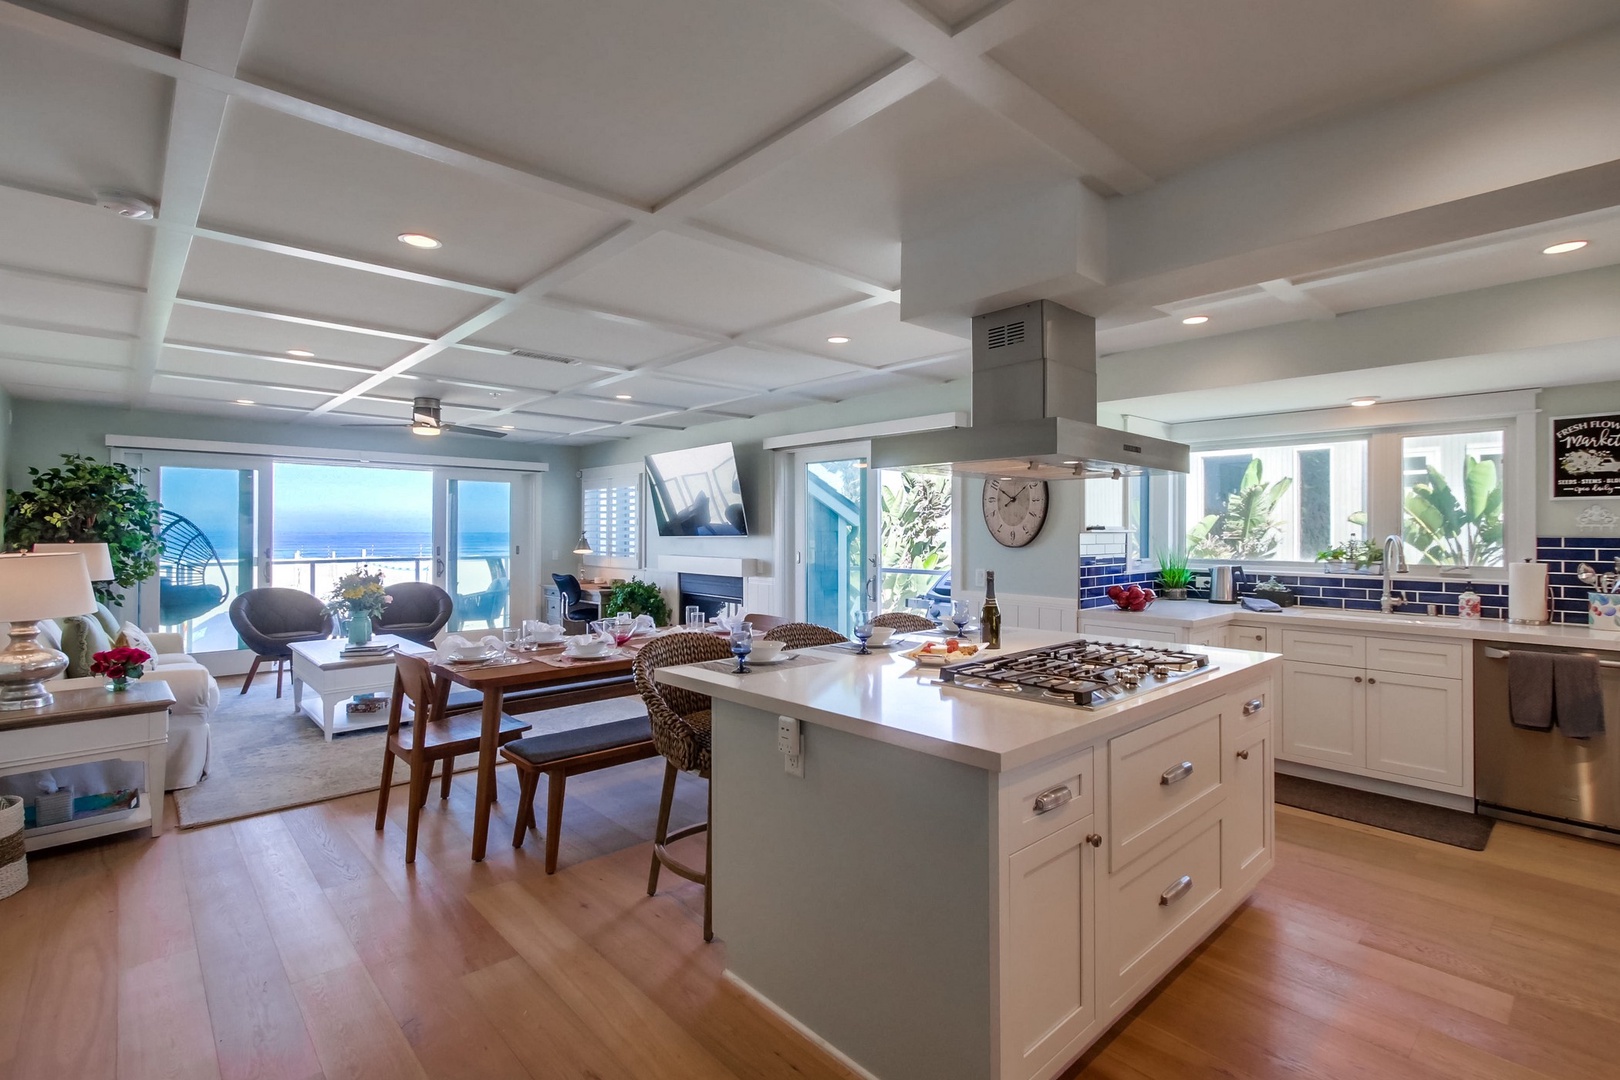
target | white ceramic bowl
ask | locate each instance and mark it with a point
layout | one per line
(881, 635)
(546, 637)
(588, 646)
(766, 650)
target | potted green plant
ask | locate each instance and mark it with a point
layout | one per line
(1335, 557)
(1174, 576)
(86, 500)
(637, 597)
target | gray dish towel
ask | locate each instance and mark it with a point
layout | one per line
(1530, 690)
(1578, 694)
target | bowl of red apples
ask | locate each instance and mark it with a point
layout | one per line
(1131, 597)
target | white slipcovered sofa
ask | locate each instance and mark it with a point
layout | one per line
(196, 694)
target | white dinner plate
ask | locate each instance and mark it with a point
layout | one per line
(482, 657)
(780, 658)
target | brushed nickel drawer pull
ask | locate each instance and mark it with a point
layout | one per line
(1176, 891)
(1244, 754)
(1175, 774)
(1253, 706)
(1052, 798)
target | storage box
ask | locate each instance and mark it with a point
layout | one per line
(55, 808)
(1605, 611)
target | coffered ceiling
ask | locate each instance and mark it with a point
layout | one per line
(655, 216)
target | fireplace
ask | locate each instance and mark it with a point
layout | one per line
(711, 592)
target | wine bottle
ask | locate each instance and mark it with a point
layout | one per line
(990, 617)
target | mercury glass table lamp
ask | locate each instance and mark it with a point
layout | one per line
(35, 587)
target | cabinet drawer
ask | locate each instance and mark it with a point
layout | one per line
(1161, 776)
(1314, 647)
(1152, 908)
(1414, 656)
(1248, 708)
(1067, 787)
(1243, 636)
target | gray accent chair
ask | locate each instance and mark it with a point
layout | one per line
(416, 611)
(269, 620)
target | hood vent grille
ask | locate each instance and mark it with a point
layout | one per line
(999, 337)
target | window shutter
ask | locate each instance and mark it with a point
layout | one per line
(611, 509)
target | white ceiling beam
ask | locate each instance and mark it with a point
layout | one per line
(301, 320)
(961, 63)
(997, 24)
(212, 41)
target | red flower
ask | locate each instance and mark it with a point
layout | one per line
(124, 662)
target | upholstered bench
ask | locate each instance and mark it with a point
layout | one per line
(562, 754)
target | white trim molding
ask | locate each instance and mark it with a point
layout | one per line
(1420, 412)
(904, 426)
(316, 453)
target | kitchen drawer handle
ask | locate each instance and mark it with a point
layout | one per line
(1176, 773)
(1176, 891)
(1052, 798)
(1253, 706)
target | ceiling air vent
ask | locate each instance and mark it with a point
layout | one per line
(998, 337)
(550, 358)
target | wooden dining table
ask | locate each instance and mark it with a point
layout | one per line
(533, 672)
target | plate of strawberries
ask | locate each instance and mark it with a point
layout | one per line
(1131, 597)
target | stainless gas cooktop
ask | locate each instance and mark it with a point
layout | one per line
(1082, 674)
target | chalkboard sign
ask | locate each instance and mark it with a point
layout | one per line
(1586, 457)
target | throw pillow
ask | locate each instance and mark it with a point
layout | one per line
(82, 638)
(108, 621)
(136, 638)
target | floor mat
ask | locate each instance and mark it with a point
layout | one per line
(1454, 827)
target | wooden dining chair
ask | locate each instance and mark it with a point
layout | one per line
(430, 737)
(680, 731)
(903, 622)
(803, 635)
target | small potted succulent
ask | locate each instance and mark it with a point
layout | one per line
(1174, 575)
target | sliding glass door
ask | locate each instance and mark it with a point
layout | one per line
(836, 529)
(210, 543)
(479, 561)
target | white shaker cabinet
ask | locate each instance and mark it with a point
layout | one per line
(1324, 714)
(1414, 727)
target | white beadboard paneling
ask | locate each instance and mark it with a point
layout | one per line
(759, 597)
(1028, 612)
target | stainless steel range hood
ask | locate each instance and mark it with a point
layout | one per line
(1034, 408)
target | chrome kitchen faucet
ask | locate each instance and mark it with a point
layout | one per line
(1394, 563)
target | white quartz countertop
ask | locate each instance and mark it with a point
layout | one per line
(1202, 614)
(885, 697)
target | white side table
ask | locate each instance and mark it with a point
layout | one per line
(86, 724)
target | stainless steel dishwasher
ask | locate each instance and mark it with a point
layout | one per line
(1541, 777)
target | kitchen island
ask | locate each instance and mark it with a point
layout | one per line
(970, 884)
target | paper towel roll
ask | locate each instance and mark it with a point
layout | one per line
(1527, 592)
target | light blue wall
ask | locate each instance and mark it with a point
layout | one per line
(5, 442)
(42, 431)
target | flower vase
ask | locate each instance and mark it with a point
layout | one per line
(118, 685)
(359, 628)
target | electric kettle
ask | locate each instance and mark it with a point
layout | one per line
(1225, 584)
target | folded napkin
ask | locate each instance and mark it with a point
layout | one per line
(546, 628)
(1259, 603)
(455, 647)
(645, 624)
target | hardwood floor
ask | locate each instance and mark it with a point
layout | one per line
(299, 945)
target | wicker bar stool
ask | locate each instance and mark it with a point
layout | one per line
(903, 622)
(803, 635)
(680, 731)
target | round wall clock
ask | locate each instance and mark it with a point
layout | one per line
(1014, 510)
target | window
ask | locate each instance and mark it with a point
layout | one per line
(610, 502)
(1284, 503)
(1124, 505)
(1452, 492)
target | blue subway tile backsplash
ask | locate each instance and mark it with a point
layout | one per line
(1568, 601)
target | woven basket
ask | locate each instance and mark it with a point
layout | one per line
(13, 860)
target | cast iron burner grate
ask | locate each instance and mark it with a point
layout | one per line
(1086, 674)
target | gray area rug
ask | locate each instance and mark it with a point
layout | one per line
(1454, 827)
(265, 756)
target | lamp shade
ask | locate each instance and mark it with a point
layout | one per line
(96, 557)
(584, 545)
(35, 587)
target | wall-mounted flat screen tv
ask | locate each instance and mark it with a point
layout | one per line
(695, 492)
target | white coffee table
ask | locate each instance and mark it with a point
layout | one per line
(324, 680)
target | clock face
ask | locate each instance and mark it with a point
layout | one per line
(1014, 510)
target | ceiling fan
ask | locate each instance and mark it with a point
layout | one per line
(426, 420)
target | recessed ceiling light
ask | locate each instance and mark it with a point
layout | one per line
(243, 401)
(838, 339)
(1567, 245)
(1071, 463)
(508, 427)
(419, 240)
(1363, 402)
(302, 353)
(1195, 320)
(621, 397)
